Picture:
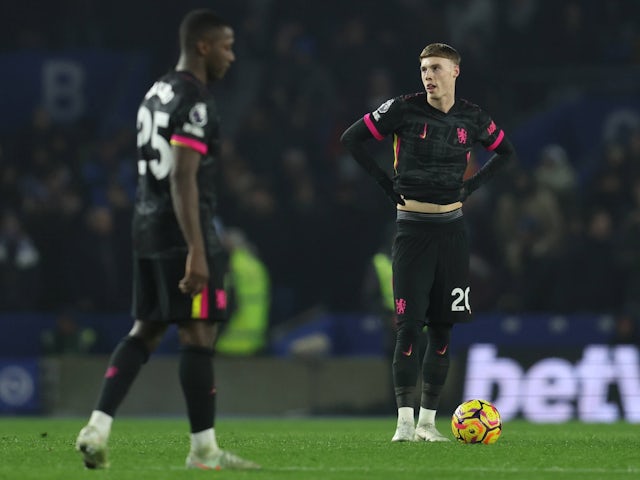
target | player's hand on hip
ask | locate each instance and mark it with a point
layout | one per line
(387, 186)
(464, 192)
(395, 198)
(196, 273)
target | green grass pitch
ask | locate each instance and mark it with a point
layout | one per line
(323, 448)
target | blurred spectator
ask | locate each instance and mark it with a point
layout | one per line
(108, 170)
(53, 213)
(618, 39)
(352, 53)
(555, 173)
(67, 336)
(10, 179)
(264, 221)
(627, 329)
(247, 330)
(519, 24)
(529, 228)
(610, 185)
(351, 234)
(633, 152)
(380, 88)
(485, 255)
(19, 266)
(103, 255)
(568, 33)
(628, 251)
(471, 19)
(258, 141)
(378, 283)
(594, 283)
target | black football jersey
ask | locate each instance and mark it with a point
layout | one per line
(431, 148)
(177, 110)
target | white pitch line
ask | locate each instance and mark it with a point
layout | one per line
(629, 470)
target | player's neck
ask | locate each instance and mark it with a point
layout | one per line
(444, 104)
(185, 64)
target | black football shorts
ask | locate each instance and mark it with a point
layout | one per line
(156, 296)
(431, 269)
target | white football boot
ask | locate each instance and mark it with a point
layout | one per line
(405, 432)
(218, 460)
(92, 444)
(429, 433)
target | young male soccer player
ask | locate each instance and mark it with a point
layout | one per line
(178, 259)
(433, 134)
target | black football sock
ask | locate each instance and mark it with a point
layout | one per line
(430, 396)
(196, 378)
(435, 366)
(126, 361)
(405, 365)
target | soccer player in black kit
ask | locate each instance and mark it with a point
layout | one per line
(433, 135)
(179, 262)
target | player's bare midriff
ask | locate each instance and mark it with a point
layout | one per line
(425, 207)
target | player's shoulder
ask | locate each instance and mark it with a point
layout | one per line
(185, 84)
(399, 103)
(467, 106)
(175, 88)
(180, 93)
(471, 111)
(417, 98)
(405, 98)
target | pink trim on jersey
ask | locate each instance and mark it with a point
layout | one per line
(498, 141)
(198, 146)
(372, 128)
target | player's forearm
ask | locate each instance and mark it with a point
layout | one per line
(353, 140)
(184, 195)
(505, 156)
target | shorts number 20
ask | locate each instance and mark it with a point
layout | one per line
(461, 300)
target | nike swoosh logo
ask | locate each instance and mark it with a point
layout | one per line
(443, 351)
(424, 132)
(408, 352)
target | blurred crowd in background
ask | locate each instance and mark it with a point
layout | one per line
(560, 233)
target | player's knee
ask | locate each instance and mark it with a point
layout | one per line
(408, 332)
(150, 334)
(197, 334)
(439, 335)
(138, 344)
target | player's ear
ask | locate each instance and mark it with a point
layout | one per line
(456, 71)
(202, 46)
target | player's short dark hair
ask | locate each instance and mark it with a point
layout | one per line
(196, 24)
(441, 50)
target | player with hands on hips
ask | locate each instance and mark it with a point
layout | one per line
(433, 134)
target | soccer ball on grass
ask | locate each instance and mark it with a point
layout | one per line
(476, 421)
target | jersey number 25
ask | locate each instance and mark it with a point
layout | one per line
(148, 124)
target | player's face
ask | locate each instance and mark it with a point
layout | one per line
(219, 55)
(439, 77)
